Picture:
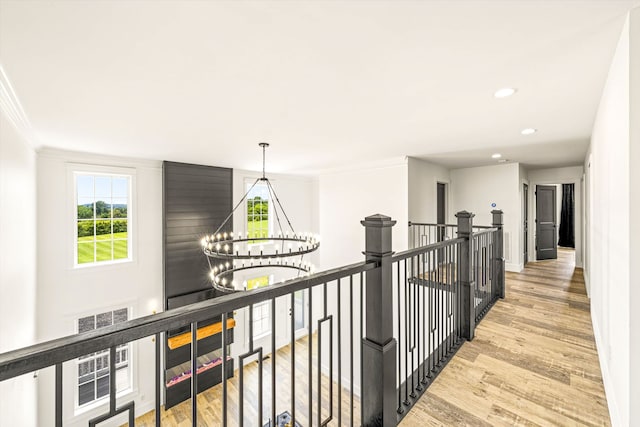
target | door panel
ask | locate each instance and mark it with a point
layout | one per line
(440, 216)
(546, 243)
(526, 223)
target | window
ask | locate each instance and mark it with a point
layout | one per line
(261, 311)
(93, 369)
(258, 211)
(102, 218)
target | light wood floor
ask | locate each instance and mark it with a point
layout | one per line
(209, 401)
(533, 361)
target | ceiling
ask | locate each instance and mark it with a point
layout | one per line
(327, 83)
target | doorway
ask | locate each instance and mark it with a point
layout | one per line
(525, 222)
(546, 235)
(441, 210)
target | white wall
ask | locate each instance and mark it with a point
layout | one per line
(18, 207)
(475, 189)
(66, 293)
(346, 198)
(634, 213)
(557, 176)
(423, 196)
(609, 234)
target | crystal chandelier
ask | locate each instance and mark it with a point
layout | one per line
(229, 252)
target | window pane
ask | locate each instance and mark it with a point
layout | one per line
(85, 230)
(103, 187)
(86, 368)
(104, 319)
(120, 249)
(103, 229)
(120, 227)
(86, 252)
(120, 315)
(85, 208)
(86, 393)
(102, 387)
(86, 324)
(120, 187)
(103, 251)
(85, 185)
(103, 208)
(119, 208)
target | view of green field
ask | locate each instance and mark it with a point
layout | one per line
(102, 247)
(258, 228)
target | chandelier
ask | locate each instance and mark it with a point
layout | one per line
(229, 252)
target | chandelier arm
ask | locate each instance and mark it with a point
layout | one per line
(275, 209)
(234, 209)
(281, 208)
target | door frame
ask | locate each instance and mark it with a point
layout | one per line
(556, 191)
(579, 206)
(526, 224)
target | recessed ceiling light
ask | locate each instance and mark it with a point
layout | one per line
(503, 160)
(496, 156)
(529, 131)
(504, 92)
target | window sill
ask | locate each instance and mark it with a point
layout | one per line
(261, 336)
(102, 264)
(103, 401)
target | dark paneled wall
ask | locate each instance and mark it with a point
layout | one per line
(196, 200)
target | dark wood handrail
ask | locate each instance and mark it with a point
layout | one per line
(38, 356)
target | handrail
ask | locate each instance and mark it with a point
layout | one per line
(411, 223)
(485, 231)
(38, 356)
(411, 252)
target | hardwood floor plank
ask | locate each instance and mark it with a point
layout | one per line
(533, 361)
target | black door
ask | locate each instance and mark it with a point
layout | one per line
(525, 225)
(546, 243)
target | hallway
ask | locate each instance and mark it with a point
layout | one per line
(533, 360)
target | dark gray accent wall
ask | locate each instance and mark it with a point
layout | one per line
(196, 200)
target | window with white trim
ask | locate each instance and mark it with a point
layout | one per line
(261, 311)
(93, 369)
(258, 211)
(102, 218)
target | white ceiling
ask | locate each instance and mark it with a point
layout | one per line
(327, 83)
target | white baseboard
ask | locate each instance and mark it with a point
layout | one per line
(515, 268)
(609, 392)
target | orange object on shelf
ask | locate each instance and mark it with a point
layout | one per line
(204, 332)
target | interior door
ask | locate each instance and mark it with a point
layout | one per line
(441, 213)
(546, 242)
(525, 225)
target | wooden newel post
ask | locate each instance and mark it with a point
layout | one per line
(379, 346)
(499, 271)
(467, 286)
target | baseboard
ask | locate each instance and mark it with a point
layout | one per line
(515, 268)
(614, 412)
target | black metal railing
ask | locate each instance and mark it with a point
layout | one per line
(482, 270)
(326, 325)
(428, 305)
(377, 334)
(423, 234)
